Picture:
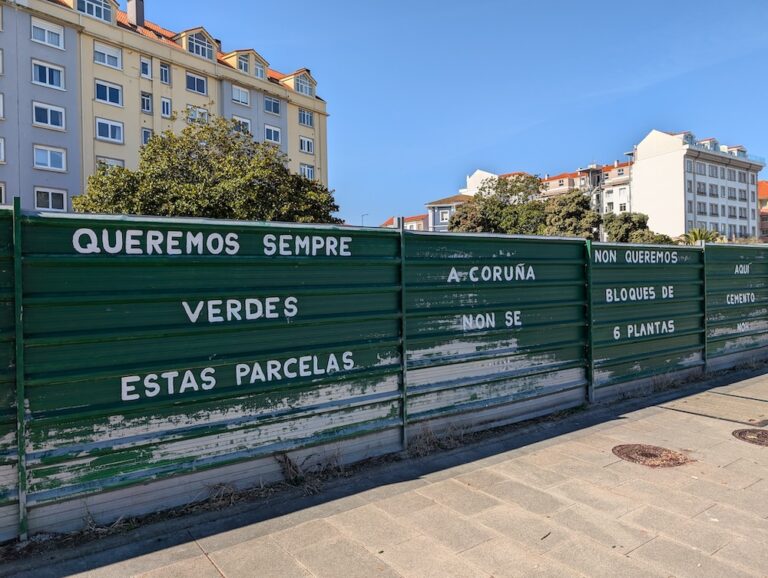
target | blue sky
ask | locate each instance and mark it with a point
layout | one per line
(421, 93)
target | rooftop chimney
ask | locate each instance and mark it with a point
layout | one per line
(136, 12)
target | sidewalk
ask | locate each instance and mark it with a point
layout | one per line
(545, 500)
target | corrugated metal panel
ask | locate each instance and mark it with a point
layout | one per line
(647, 306)
(492, 321)
(737, 298)
(246, 340)
(9, 513)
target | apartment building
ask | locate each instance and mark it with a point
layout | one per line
(103, 81)
(412, 223)
(683, 183)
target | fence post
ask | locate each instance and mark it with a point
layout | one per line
(403, 339)
(590, 337)
(706, 305)
(21, 435)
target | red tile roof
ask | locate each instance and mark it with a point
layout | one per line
(762, 189)
(414, 218)
(160, 34)
(515, 174)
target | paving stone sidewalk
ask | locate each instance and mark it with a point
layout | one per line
(539, 502)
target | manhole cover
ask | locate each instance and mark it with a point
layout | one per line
(651, 456)
(759, 437)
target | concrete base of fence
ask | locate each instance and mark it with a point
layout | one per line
(107, 507)
(738, 358)
(499, 415)
(645, 385)
(9, 522)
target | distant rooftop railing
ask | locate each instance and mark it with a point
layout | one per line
(743, 156)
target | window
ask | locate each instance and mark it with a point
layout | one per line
(742, 194)
(2, 194)
(47, 75)
(701, 208)
(688, 166)
(109, 93)
(690, 225)
(713, 210)
(146, 134)
(241, 95)
(199, 45)
(722, 210)
(609, 207)
(47, 33)
(731, 212)
(701, 188)
(110, 162)
(445, 215)
(2, 150)
(701, 168)
(306, 145)
(722, 191)
(50, 199)
(243, 63)
(689, 186)
(195, 114)
(197, 83)
(752, 195)
(258, 70)
(166, 108)
(306, 117)
(742, 213)
(712, 171)
(242, 124)
(145, 67)
(752, 178)
(623, 207)
(272, 134)
(165, 73)
(107, 55)
(49, 158)
(620, 172)
(690, 206)
(146, 102)
(101, 9)
(109, 130)
(742, 177)
(303, 85)
(732, 192)
(731, 174)
(712, 190)
(271, 105)
(2, 106)
(752, 212)
(722, 172)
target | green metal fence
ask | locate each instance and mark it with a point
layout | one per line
(737, 300)
(647, 311)
(146, 360)
(496, 327)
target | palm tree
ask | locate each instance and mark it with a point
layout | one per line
(695, 236)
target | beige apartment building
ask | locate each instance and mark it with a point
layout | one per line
(104, 81)
(683, 183)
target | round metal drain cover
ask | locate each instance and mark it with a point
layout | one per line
(759, 437)
(651, 456)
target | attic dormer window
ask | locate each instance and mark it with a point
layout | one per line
(304, 86)
(198, 44)
(258, 70)
(101, 9)
(243, 63)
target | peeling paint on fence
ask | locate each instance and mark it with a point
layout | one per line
(647, 309)
(493, 321)
(737, 299)
(157, 347)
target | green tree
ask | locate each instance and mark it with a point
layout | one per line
(647, 236)
(570, 215)
(694, 236)
(502, 205)
(209, 170)
(619, 228)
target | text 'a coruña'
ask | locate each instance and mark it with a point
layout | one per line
(492, 273)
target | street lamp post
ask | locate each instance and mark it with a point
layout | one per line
(362, 219)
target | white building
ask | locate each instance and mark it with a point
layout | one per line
(682, 183)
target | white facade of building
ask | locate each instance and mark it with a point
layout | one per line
(475, 181)
(684, 184)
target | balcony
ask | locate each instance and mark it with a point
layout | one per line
(742, 157)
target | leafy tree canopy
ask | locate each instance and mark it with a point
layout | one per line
(209, 170)
(570, 215)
